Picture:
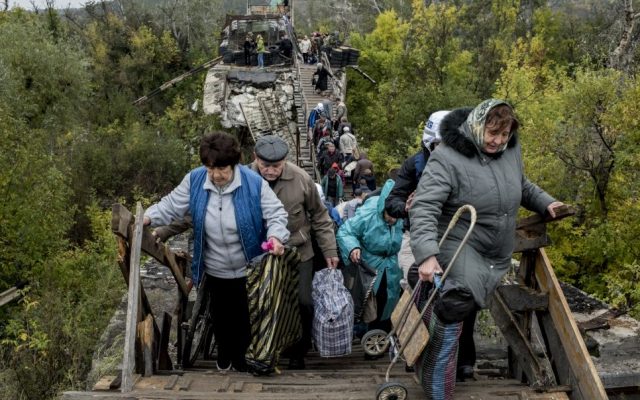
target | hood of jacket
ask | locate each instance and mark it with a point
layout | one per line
(384, 193)
(463, 129)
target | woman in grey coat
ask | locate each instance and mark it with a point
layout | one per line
(479, 162)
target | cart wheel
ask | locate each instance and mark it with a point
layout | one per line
(392, 391)
(375, 342)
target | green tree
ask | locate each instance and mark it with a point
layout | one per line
(426, 49)
(35, 213)
(49, 76)
(50, 341)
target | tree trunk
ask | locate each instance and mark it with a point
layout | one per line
(620, 58)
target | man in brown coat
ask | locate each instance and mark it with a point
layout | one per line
(307, 217)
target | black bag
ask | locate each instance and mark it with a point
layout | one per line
(359, 279)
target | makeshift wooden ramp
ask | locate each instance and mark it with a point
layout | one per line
(546, 346)
(336, 378)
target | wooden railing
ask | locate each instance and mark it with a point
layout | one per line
(146, 346)
(537, 298)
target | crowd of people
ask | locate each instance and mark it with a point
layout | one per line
(311, 48)
(339, 158)
(468, 156)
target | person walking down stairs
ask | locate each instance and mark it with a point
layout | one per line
(348, 145)
(320, 79)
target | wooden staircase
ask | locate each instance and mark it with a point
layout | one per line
(306, 99)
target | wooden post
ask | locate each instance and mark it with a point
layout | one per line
(133, 300)
(164, 361)
(147, 344)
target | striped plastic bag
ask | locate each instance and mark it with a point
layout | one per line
(274, 317)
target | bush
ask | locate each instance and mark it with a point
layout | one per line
(50, 342)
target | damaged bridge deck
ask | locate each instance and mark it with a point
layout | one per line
(325, 378)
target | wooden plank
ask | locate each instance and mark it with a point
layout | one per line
(601, 321)
(522, 298)
(224, 385)
(531, 232)
(412, 334)
(147, 342)
(171, 382)
(164, 360)
(535, 219)
(121, 218)
(539, 375)
(133, 297)
(530, 241)
(9, 295)
(104, 383)
(95, 396)
(185, 383)
(588, 385)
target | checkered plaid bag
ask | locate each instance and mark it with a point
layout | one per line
(333, 314)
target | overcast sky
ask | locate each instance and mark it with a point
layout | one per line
(27, 4)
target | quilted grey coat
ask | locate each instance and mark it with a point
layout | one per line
(458, 173)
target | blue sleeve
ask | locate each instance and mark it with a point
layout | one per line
(350, 236)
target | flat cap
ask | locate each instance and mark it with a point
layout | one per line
(271, 148)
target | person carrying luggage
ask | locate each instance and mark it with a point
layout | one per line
(233, 212)
(308, 217)
(373, 236)
(479, 163)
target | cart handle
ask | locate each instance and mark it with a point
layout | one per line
(437, 279)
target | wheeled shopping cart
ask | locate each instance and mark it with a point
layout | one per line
(409, 335)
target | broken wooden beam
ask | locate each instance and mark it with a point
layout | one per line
(531, 232)
(601, 321)
(9, 295)
(521, 298)
(122, 219)
(538, 373)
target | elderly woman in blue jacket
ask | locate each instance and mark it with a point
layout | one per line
(375, 237)
(234, 211)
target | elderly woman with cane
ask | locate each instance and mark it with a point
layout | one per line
(479, 163)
